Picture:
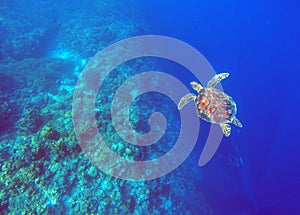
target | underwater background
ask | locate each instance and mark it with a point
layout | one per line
(44, 46)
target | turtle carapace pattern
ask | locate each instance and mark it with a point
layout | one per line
(213, 105)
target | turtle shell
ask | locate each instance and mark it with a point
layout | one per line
(215, 106)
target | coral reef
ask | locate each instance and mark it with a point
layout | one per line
(43, 169)
(8, 114)
(74, 31)
(25, 34)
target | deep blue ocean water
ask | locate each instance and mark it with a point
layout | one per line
(255, 171)
(257, 42)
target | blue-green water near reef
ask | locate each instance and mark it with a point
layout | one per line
(44, 46)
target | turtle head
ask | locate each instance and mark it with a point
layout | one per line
(196, 86)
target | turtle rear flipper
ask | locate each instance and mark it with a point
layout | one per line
(226, 128)
(237, 122)
(216, 79)
(185, 99)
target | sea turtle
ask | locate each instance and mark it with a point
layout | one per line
(213, 105)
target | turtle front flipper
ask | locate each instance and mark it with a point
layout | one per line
(237, 122)
(226, 129)
(185, 99)
(216, 79)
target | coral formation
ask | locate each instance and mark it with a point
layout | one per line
(43, 169)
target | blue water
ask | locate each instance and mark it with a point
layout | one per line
(257, 42)
(255, 171)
